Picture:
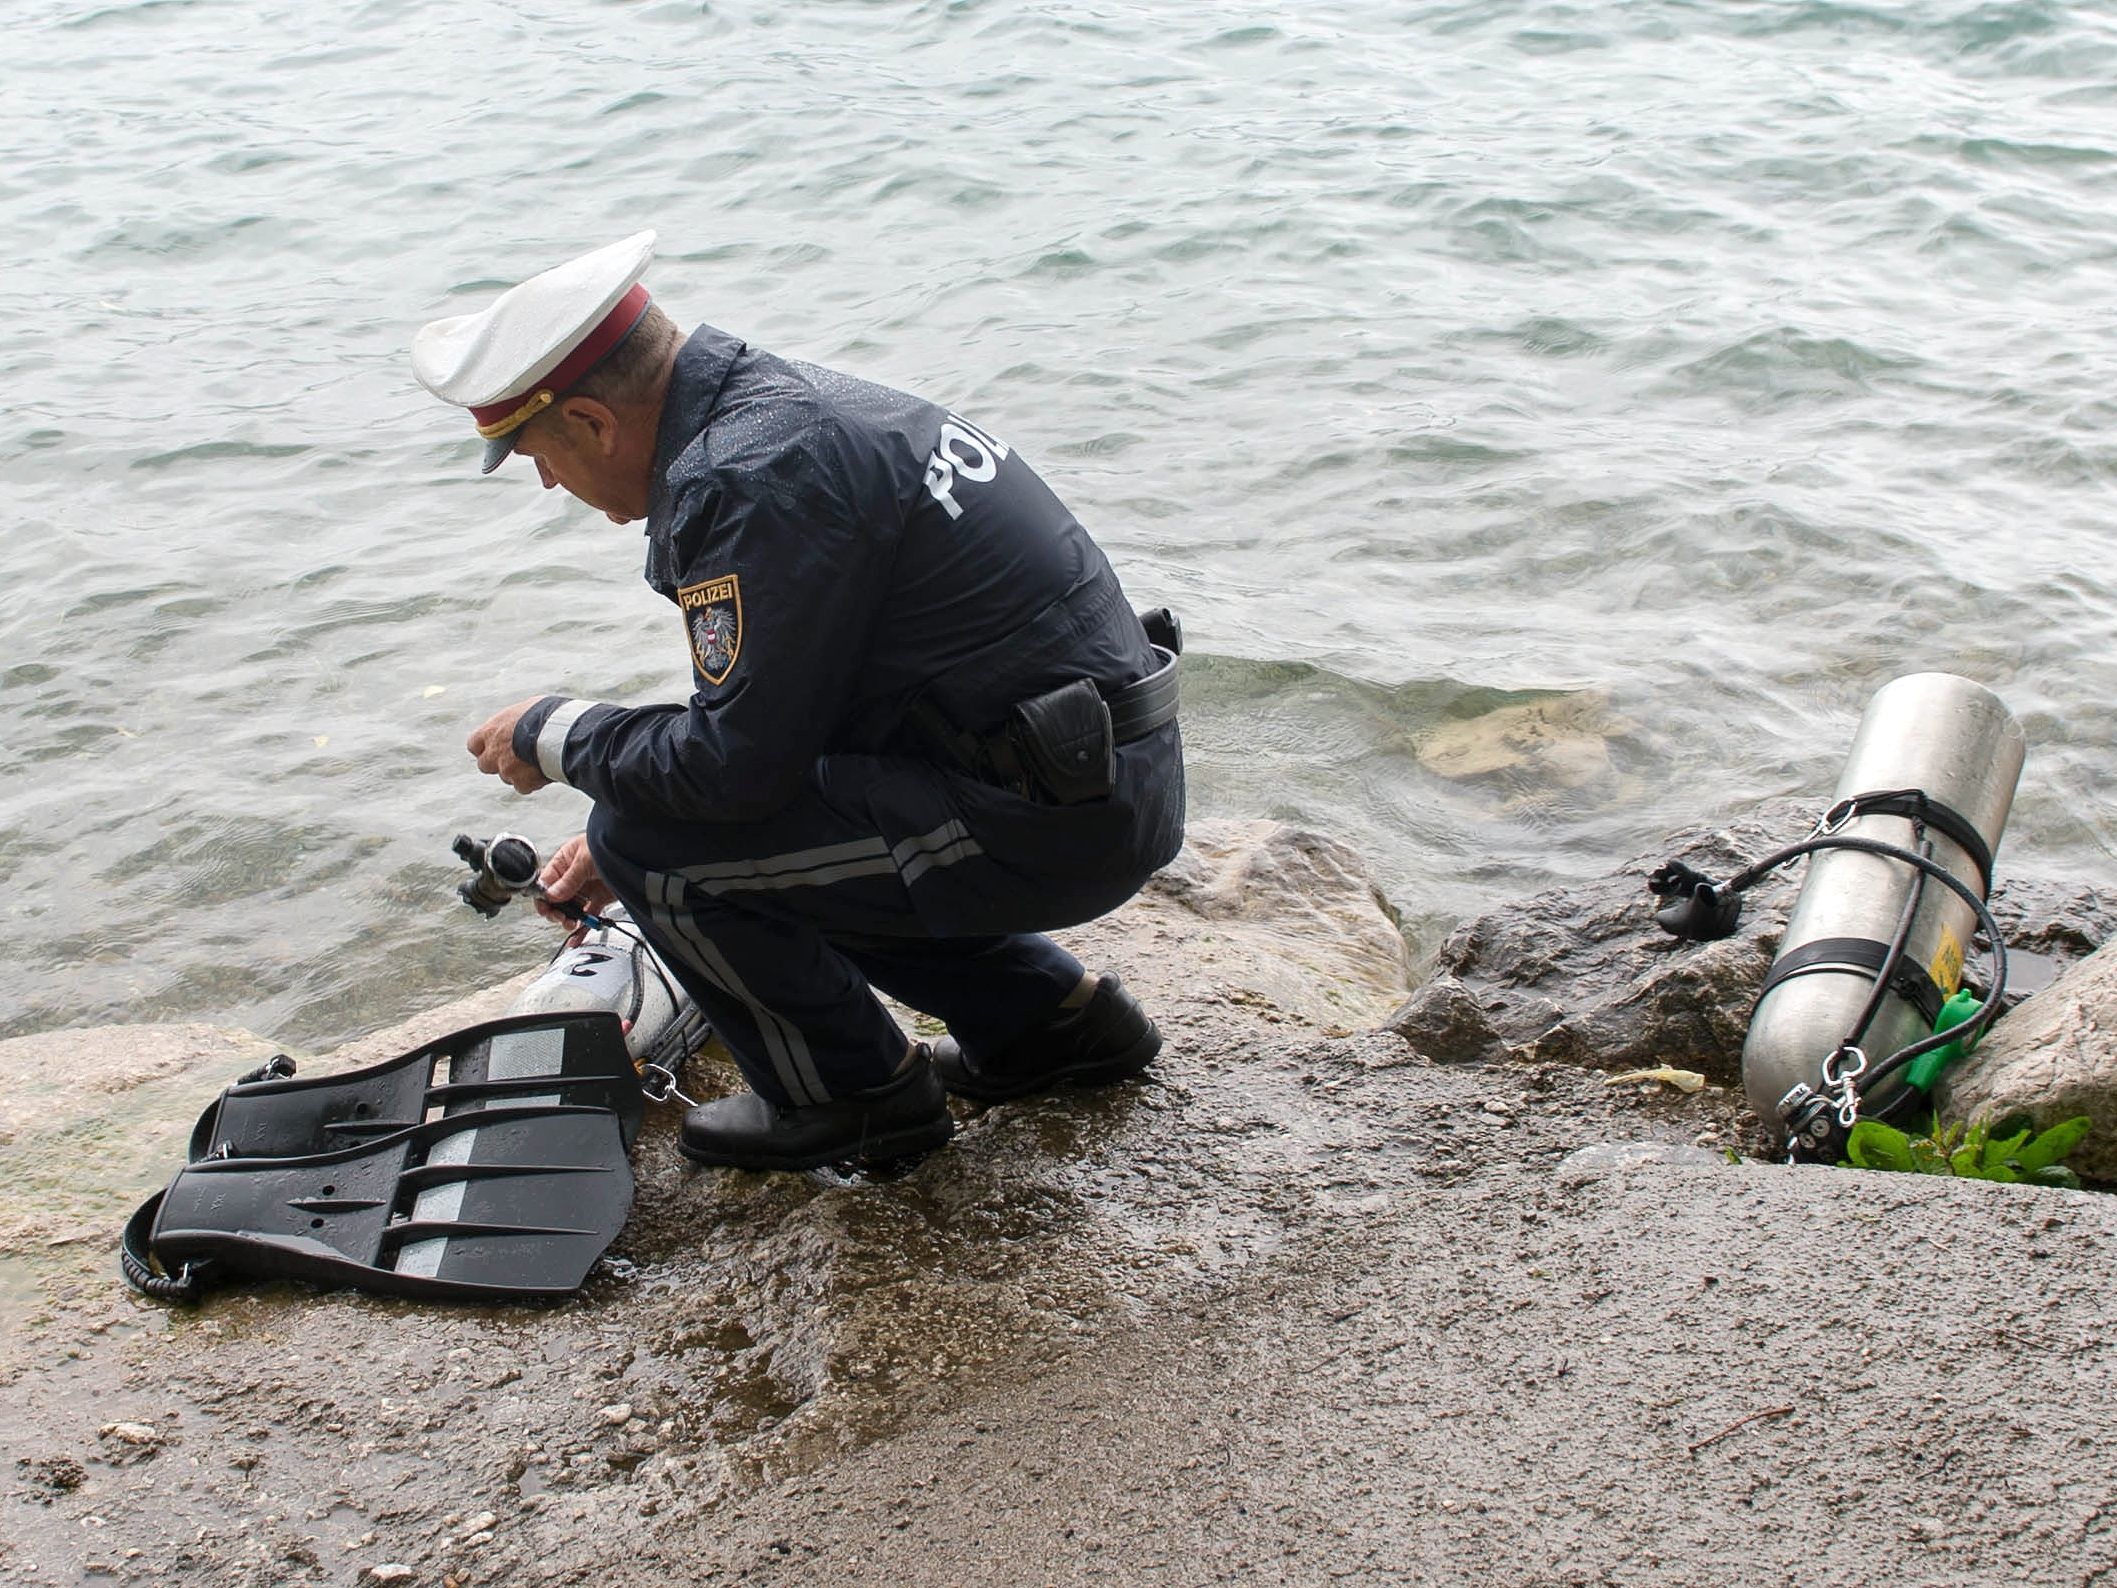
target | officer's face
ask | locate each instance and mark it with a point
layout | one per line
(577, 457)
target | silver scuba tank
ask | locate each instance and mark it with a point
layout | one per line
(1936, 747)
(612, 968)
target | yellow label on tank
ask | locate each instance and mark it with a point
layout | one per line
(1947, 967)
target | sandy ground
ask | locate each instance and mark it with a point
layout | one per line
(1298, 1309)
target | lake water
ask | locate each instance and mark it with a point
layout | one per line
(1668, 375)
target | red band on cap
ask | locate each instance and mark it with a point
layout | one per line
(610, 330)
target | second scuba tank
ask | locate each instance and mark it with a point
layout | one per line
(1934, 763)
(612, 968)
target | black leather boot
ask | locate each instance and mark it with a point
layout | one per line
(1106, 1039)
(905, 1116)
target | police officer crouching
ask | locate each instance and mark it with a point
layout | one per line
(925, 726)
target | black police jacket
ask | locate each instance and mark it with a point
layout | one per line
(839, 551)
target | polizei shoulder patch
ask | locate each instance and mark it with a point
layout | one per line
(713, 618)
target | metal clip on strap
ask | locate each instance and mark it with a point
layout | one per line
(1841, 1074)
(1916, 805)
(658, 1082)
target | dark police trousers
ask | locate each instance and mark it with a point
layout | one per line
(893, 874)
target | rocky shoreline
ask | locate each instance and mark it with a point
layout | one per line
(1336, 1295)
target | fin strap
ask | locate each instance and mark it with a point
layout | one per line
(136, 1259)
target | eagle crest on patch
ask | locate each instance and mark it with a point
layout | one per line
(713, 618)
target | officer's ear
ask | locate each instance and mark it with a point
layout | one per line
(594, 426)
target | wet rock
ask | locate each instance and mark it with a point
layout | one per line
(1289, 914)
(112, 1061)
(127, 1444)
(2061, 922)
(1582, 975)
(2051, 1059)
(139, 1086)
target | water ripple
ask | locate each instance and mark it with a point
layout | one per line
(1707, 361)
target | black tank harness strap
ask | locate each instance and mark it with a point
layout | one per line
(1920, 807)
(1867, 956)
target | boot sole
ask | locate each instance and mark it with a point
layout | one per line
(1100, 1072)
(913, 1141)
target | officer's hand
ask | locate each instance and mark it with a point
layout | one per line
(494, 746)
(570, 874)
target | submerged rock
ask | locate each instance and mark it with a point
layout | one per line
(1562, 741)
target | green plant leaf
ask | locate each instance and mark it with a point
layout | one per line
(2053, 1145)
(1969, 1151)
(1874, 1145)
(1928, 1158)
(2003, 1151)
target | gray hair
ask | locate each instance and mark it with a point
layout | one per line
(627, 377)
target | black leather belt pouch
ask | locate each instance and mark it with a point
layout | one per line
(1064, 742)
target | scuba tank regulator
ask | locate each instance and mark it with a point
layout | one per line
(501, 866)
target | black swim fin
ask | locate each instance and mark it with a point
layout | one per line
(499, 1203)
(488, 1165)
(578, 1058)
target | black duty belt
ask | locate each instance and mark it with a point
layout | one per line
(1138, 708)
(1060, 745)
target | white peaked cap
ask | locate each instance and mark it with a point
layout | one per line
(514, 359)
